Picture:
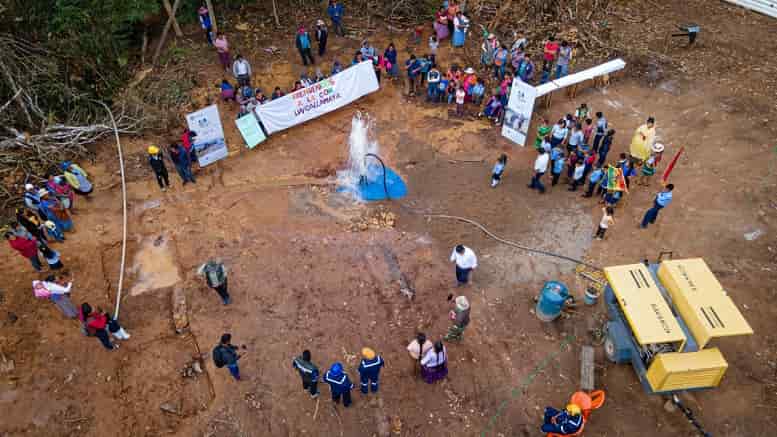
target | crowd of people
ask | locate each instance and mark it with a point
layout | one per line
(44, 219)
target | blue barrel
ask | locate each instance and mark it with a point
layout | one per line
(551, 301)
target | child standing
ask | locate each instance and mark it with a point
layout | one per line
(558, 164)
(588, 130)
(499, 168)
(648, 170)
(596, 176)
(581, 114)
(433, 45)
(577, 176)
(607, 220)
(460, 96)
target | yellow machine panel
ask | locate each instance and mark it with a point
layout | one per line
(645, 308)
(688, 370)
(701, 301)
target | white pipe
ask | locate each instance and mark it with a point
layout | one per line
(124, 210)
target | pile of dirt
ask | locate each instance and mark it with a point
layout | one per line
(374, 220)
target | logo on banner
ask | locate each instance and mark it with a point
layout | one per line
(315, 96)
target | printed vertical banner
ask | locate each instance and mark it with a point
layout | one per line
(518, 113)
(318, 99)
(249, 128)
(209, 142)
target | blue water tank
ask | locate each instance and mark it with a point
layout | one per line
(551, 301)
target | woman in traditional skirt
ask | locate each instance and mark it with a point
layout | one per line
(460, 26)
(434, 365)
(441, 24)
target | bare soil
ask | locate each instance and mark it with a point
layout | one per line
(303, 276)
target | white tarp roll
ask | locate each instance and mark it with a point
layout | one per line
(581, 76)
(318, 99)
(209, 142)
(766, 7)
(518, 112)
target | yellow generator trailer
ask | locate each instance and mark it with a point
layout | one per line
(662, 319)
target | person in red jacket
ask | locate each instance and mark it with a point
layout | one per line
(95, 324)
(187, 139)
(27, 247)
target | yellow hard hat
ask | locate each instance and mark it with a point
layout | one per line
(368, 353)
(573, 409)
(153, 150)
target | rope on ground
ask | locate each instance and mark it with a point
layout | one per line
(512, 243)
(123, 209)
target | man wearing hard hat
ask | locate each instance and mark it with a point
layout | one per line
(369, 369)
(157, 162)
(564, 422)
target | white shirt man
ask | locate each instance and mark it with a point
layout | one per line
(540, 167)
(466, 261)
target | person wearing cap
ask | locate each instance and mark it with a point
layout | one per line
(335, 12)
(31, 197)
(215, 274)
(339, 384)
(465, 261)
(565, 422)
(157, 163)
(643, 140)
(308, 372)
(460, 317)
(661, 201)
(77, 178)
(321, 36)
(369, 369)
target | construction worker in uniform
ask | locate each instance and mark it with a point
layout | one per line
(369, 369)
(308, 371)
(460, 317)
(564, 422)
(339, 383)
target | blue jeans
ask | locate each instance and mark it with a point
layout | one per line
(234, 370)
(35, 261)
(561, 70)
(536, 182)
(431, 92)
(185, 172)
(545, 77)
(651, 215)
(462, 275)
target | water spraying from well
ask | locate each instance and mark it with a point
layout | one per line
(364, 175)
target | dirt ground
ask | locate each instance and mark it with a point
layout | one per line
(303, 275)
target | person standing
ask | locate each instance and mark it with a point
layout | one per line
(577, 175)
(95, 324)
(413, 67)
(183, 162)
(550, 51)
(593, 180)
(369, 370)
(542, 132)
(540, 168)
(77, 178)
(559, 161)
(465, 261)
(31, 197)
(460, 96)
(157, 162)
(434, 364)
(303, 45)
(662, 200)
(335, 11)
(643, 140)
(499, 168)
(604, 224)
(441, 24)
(418, 349)
(460, 27)
(576, 138)
(604, 149)
(204, 16)
(322, 34)
(564, 56)
(460, 317)
(558, 133)
(339, 384)
(59, 293)
(601, 130)
(242, 71)
(222, 48)
(27, 247)
(216, 276)
(308, 372)
(225, 355)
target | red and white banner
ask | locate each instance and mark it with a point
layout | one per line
(318, 99)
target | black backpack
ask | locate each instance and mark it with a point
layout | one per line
(218, 358)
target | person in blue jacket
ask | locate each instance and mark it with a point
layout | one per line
(339, 383)
(308, 371)
(369, 369)
(564, 422)
(335, 11)
(303, 45)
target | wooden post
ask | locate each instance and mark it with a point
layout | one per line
(275, 13)
(213, 24)
(170, 12)
(587, 367)
(162, 38)
(144, 47)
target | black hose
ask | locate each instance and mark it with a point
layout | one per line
(385, 184)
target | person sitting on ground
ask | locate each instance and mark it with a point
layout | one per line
(227, 91)
(297, 86)
(336, 68)
(305, 80)
(565, 422)
(493, 109)
(95, 323)
(77, 178)
(357, 58)
(319, 75)
(277, 93)
(260, 97)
